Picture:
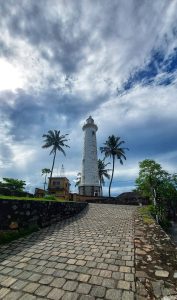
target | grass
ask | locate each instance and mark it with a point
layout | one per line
(145, 211)
(8, 236)
(31, 199)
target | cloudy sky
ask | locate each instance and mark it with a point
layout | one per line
(61, 61)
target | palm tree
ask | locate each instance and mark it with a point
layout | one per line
(112, 149)
(45, 171)
(78, 179)
(57, 142)
(102, 172)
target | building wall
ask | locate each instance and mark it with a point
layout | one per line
(19, 214)
(59, 186)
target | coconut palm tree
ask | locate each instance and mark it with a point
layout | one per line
(102, 172)
(112, 148)
(77, 181)
(57, 142)
(45, 171)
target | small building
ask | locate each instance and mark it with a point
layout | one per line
(39, 193)
(59, 187)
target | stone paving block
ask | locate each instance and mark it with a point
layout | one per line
(55, 294)
(60, 266)
(105, 273)
(125, 269)
(84, 288)
(118, 275)
(8, 281)
(96, 280)
(46, 279)
(129, 277)
(113, 268)
(70, 285)
(70, 296)
(19, 284)
(59, 273)
(109, 283)
(31, 287)
(13, 295)
(58, 282)
(113, 294)
(129, 263)
(82, 269)
(126, 295)
(71, 275)
(95, 272)
(83, 277)
(70, 268)
(124, 285)
(71, 261)
(42, 290)
(35, 277)
(6, 270)
(48, 271)
(4, 292)
(98, 291)
(28, 297)
(87, 297)
(91, 264)
(80, 262)
(25, 275)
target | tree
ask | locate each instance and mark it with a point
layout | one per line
(102, 172)
(45, 171)
(78, 179)
(150, 177)
(159, 186)
(57, 142)
(13, 185)
(113, 149)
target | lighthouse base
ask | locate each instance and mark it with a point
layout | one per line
(89, 190)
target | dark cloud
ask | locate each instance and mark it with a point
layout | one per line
(59, 42)
(31, 114)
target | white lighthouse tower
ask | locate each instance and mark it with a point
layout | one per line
(89, 184)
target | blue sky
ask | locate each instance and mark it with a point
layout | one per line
(61, 61)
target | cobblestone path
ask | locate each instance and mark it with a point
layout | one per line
(87, 257)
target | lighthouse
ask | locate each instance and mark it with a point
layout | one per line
(89, 184)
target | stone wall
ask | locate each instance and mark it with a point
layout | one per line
(17, 214)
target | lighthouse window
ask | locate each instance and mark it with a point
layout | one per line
(93, 132)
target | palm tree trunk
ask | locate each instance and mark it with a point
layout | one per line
(53, 164)
(113, 161)
(101, 191)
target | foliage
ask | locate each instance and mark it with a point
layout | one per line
(11, 186)
(57, 142)
(2, 197)
(45, 171)
(50, 197)
(102, 172)
(150, 176)
(112, 148)
(78, 179)
(145, 211)
(161, 188)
